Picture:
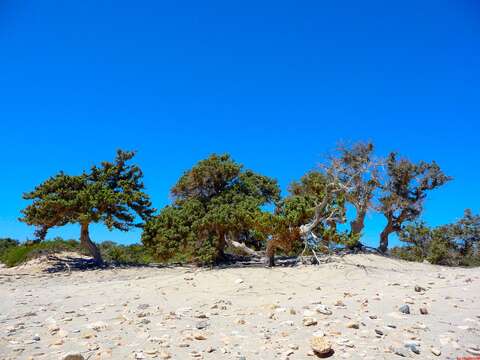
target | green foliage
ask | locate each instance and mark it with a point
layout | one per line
(213, 200)
(111, 193)
(6, 244)
(299, 207)
(419, 236)
(407, 187)
(174, 235)
(15, 255)
(466, 234)
(439, 251)
(357, 166)
(455, 244)
(135, 254)
(404, 192)
(408, 253)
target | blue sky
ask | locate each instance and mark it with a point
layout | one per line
(276, 84)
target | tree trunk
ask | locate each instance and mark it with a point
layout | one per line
(270, 252)
(384, 237)
(243, 248)
(357, 225)
(89, 245)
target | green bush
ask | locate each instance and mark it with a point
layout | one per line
(135, 254)
(16, 255)
(408, 253)
(6, 244)
(439, 253)
(454, 244)
(12, 253)
(21, 253)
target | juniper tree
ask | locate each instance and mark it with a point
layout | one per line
(418, 236)
(214, 204)
(312, 207)
(358, 172)
(466, 234)
(404, 192)
(111, 193)
(424, 243)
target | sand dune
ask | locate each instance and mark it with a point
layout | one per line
(353, 303)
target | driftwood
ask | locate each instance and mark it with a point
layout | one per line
(242, 247)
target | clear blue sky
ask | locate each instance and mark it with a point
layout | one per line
(276, 84)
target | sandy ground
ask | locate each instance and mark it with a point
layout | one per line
(241, 313)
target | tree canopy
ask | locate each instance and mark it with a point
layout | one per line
(309, 198)
(404, 192)
(454, 244)
(215, 202)
(358, 171)
(219, 205)
(111, 193)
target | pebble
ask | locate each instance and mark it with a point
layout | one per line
(52, 329)
(309, 321)
(199, 336)
(201, 325)
(399, 352)
(322, 309)
(424, 311)
(413, 347)
(435, 351)
(73, 356)
(404, 309)
(164, 355)
(97, 326)
(321, 346)
(353, 325)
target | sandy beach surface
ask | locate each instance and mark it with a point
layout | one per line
(353, 304)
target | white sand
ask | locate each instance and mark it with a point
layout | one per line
(247, 313)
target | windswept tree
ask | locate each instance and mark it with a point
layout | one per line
(466, 234)
(308, 216)
(424, 243)
(404, 192)
(358, 171)
(417, 236)
(451, 244)
(111, 193)
(214, 205)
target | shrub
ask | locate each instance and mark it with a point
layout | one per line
(135, 254)
(6, 244)
(453, 244)
(21, 253)
(16, 254)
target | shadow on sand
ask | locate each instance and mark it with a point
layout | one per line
(72, 263)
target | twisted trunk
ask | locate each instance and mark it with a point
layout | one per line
(270, 253)
(89, 245)
(357, 225)
(389, 228)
